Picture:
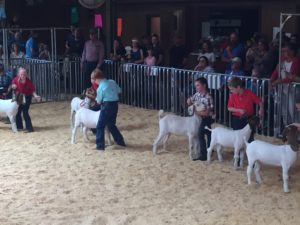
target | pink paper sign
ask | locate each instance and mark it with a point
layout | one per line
(98, 20)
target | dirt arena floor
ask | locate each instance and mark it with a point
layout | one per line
(46, 180)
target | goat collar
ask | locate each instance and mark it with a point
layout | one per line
(295, 148)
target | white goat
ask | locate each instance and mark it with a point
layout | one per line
(276, 155)
(231, 138)
(88, 119)
(10, 108)
(184, 126)
(76, 104)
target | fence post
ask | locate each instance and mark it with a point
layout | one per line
(173, 80)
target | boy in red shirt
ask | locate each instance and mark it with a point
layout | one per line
(240, 104)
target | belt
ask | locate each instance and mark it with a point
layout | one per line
(107, 102)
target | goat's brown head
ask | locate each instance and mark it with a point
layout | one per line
(253, 122)
(90, 92)
(290, 134)
(19, 98)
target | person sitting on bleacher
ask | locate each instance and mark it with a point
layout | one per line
(5, 82)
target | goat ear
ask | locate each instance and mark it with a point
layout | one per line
(284, 134)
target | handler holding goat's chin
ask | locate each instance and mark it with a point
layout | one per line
(22, 84)
(108, 96)
(202, 96)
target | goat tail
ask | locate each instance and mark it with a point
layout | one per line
(160, 114)
(207, 128)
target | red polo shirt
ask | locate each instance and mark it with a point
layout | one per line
(95, 86)
(26, 88)
(243, 101)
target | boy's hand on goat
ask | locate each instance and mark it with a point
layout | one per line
(202, 113)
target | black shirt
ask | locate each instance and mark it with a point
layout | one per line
(177, 54)
(76, 45)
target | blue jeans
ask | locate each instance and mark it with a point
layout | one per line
(25, 110)
(108, 117)
(238, 123)
(206, 121)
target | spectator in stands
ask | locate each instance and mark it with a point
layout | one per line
(32, 49)
(22, 84)
(75, 43)
(44, 53)
(118, 53)
(69, 38)
(236, 65)
(145, 43)
(150, 60)
(16, 53)
(203, 65)
(290, 67)
(252, 54)
(92, 56)
(5, 81)
(14, 25)
(178, 53)
(136, 55)
(157, 51)
(265, 61)
(289, 72)
(207, 51)
(234, 49)
(17, 39)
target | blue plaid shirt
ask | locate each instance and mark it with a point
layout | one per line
(5, 81)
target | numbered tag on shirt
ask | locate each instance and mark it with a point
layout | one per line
(127, 67)
(154, 71)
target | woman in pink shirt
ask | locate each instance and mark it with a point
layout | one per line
(150, 60)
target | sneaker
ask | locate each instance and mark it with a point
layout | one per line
(6, 122)
(123, 145)
(203, 158)
(28, 131)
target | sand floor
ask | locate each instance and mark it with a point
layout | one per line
(46, 180)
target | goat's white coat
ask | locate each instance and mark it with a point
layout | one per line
(88, 119)
(77, 104)
(275, 155)
(10, 108)
(224, 137)
(184, 126)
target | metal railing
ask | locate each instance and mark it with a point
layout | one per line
(168, 88)
(163, 88)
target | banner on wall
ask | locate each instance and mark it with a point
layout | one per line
(2, 9)
(74, 15)
(98, 21)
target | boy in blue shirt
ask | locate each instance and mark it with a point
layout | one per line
(108, 96)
